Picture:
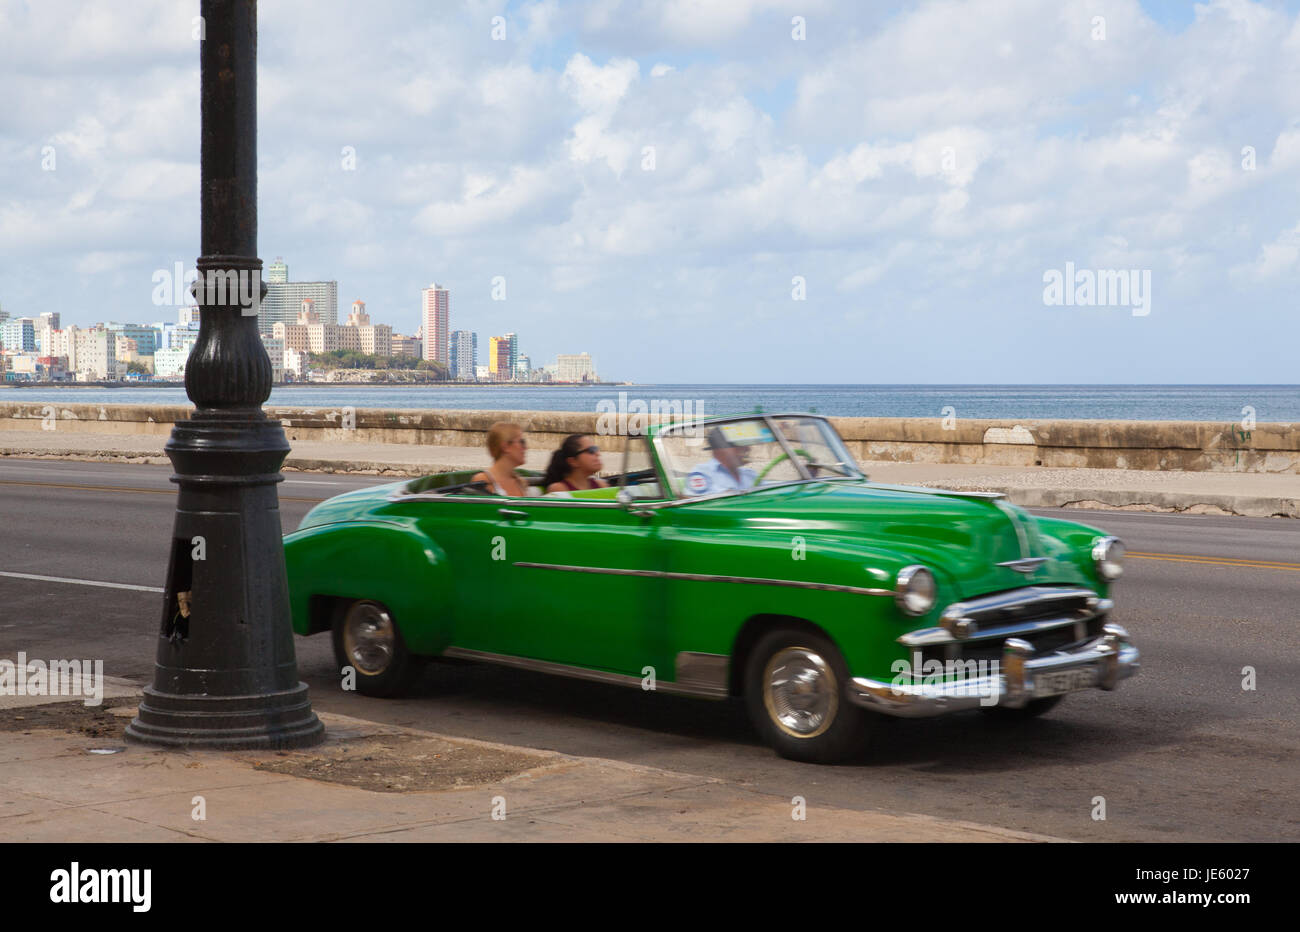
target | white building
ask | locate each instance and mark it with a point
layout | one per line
(464, 354)
(96, 356)
(295, 364)
(574, 367)
(169, 363)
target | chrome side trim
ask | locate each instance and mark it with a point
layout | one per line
(703, 691)
(498, 500)
(708, 577)
(1026, 565)
(546, 502)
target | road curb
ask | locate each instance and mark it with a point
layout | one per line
(1199, 503)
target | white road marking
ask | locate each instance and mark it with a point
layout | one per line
(82, 582)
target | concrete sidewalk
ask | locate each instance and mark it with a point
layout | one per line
(66, 774)
(1227, 493)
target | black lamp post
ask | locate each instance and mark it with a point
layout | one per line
(226, 675)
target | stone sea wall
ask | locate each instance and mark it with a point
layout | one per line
(1178, 445)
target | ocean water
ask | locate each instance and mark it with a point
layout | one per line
(1228, 403)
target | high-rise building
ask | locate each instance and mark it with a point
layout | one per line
(284, 299)
(464, 354)
(46, 325)
(19, 335)
(499, 358)
(96, 355)
(513, 339)
(435, 319)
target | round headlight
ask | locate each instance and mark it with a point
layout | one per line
(915, 591)
(1108, 555)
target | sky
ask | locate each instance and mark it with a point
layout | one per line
(727, 191)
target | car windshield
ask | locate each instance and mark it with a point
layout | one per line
(741, 454)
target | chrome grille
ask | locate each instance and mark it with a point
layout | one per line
(1050, 618)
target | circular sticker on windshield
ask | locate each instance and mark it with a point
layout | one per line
(697, 482)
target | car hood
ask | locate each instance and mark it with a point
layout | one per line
(962, 537)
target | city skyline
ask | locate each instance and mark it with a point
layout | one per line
(40, 349)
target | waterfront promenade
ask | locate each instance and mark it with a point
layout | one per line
(1190, 467)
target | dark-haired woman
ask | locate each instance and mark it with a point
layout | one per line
(574, 466)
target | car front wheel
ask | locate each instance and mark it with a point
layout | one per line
(367, 639)
(794, 691)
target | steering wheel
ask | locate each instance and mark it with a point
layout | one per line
(779, 459)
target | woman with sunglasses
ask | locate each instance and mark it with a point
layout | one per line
(574, 466)
(509, 449)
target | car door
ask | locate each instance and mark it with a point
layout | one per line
(578, 583)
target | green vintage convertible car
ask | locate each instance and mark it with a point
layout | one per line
(745, 556)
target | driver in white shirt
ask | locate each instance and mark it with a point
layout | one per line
(726, 472)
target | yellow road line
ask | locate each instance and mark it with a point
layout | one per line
(122, 488)
(1213, 561)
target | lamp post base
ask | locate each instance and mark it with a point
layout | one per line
(228, 723)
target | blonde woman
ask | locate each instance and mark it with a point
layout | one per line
(508, 448)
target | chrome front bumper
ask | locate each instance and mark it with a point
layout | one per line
(1110, 658)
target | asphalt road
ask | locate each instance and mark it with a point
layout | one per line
(1181, 752)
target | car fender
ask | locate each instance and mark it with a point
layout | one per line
(390, 561)
(713, 616)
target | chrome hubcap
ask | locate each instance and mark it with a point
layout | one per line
(369, 637)
(800, 692)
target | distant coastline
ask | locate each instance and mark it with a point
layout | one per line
(1236, 407)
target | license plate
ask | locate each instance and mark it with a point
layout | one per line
(1056, 682)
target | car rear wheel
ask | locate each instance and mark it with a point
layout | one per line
(794, 691)
(367, 639)
(1031, 709)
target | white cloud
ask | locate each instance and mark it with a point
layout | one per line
(927, 157)
(1278, 259)
(598, 89)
